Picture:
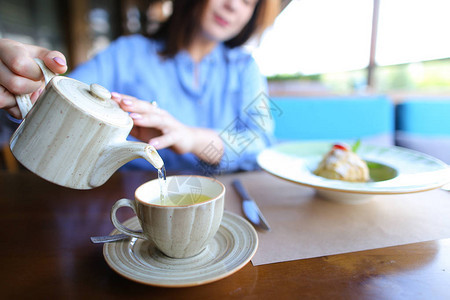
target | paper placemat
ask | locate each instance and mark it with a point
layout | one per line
(305, 226)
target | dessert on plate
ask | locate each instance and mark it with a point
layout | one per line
(342, 163)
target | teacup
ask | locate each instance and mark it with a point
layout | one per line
(183, 225)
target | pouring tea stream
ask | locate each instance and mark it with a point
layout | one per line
(75, 134)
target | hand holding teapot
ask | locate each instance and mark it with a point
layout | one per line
(75, 135)
(19, 74)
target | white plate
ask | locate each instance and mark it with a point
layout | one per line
(232, 248)
(415, 171)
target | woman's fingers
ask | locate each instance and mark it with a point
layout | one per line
(125, 102)
(8, 103)
(164, 141)
(160, 120)
(16, 84)
(20, 74)
(132, 104)
(19, 58)
(154, 125)
(55, 61)
(143, 113)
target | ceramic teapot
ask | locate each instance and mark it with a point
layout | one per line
(75, 134)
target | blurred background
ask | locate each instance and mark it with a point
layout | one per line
(78, 28)
(351, 46)
(397, 47)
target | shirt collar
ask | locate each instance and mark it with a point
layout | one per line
(219, 51)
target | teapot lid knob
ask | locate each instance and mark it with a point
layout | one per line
(100, 92)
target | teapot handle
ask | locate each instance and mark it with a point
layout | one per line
(23, 101)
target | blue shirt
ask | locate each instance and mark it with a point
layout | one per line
(224, 91)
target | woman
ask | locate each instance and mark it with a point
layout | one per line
(211, 113)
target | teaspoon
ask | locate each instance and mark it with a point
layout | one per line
(109, 238)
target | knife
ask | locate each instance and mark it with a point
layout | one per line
(250, 208)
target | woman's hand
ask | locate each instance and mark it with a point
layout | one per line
(20, 74)
(161, 130)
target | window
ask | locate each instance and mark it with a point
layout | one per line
(331, 40)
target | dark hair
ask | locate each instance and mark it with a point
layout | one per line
(184, 23)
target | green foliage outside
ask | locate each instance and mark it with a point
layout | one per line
(427, 76)
(280, 77)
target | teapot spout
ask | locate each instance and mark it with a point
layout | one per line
(152, 156)
(116, 155)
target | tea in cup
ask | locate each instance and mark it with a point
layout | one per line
(182, 223)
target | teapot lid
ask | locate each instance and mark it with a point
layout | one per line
(94, 99)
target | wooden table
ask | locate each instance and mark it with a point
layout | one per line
(46, 254)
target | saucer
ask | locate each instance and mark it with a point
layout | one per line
(232, 248)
